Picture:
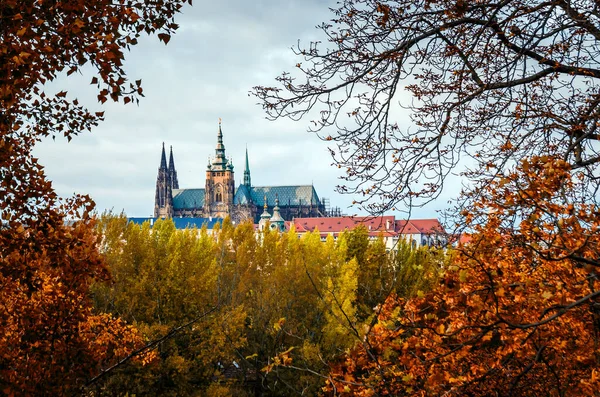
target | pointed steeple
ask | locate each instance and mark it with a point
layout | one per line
(220, 136)
(172, 172)
(171, 162)
(163, 158)
(247, 181)
(220, 162)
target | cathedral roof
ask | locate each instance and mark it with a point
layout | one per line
(296, 195)
(188, 198)
(242, 195)
(288, 195)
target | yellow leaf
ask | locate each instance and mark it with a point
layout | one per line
(440, 329)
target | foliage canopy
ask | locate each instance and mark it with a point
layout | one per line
(286, 306)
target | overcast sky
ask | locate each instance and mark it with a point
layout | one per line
(220, 52)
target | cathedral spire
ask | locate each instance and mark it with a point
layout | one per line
(172, 172)
(163, 158)
(163, 199)
(220, 134)
(247, 171)
(220, 161)
(171, 162)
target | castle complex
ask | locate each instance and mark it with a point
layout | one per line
(220, 198)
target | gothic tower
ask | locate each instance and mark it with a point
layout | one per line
(220, 184)
(172, 173)
(163, 201)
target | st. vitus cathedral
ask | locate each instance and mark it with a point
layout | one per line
(220, 198)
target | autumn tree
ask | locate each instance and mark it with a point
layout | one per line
(285, 306)
(517, 312)
(265, 304)
(51, 341)
(321, 284)
(163, 278)
(485, 84)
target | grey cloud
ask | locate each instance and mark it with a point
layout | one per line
(221, 50)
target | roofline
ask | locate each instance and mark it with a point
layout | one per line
(193, 188)
(254, 187)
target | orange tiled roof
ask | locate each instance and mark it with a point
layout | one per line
(387, 225)
(428, 225)
(339, 224)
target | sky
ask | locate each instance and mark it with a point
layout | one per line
(221, 50)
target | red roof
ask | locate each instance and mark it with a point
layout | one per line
(386, 225)
(339, 224)
(406, 227)
(428, 225)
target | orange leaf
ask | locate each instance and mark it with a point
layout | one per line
(164, 37)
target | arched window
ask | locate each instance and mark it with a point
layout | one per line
(218, 194)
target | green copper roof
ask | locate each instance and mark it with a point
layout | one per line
(304, 195)
(220, 162)
(242, 195)
(188, 198)
(276, 217)
(288, 195)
